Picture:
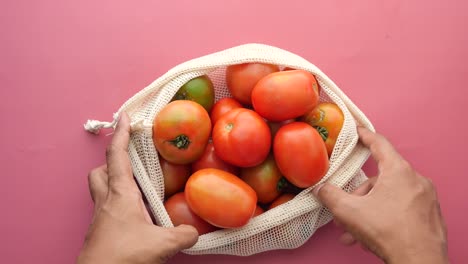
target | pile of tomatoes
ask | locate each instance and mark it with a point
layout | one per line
(226, 162)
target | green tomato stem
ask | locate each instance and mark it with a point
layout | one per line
(180, 142)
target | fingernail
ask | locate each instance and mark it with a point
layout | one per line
(317, 189)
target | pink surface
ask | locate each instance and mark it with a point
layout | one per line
(61, 62)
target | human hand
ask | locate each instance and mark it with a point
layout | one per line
(121, 230)
(396, 214)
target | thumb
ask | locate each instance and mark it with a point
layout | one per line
(334, 198)
(185, 236)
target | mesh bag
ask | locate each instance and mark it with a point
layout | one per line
(287, 226)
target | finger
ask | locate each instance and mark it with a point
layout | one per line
(365, 187)
(118, 162)
(334, 198)
(382, 150)
(176, 238)
(97, 181)
(347, 239)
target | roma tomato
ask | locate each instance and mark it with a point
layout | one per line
(300, 154)
(181, 131)
(275, 126)
(209, 159)
(199, 90)
(315, 84)
(281, 200)
(264, 179)
(223, 106)
(242, 138)
(220, 198)
(258, 211)
(284, 95)
(181, 214)
(241, 79)
(328, 119)
(175, 176)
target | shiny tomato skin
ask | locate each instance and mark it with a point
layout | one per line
(275, 126)
(181, 214)
(175, 176)
(199, 90)
(220, 198)
(301, 154)
(223, 106)
(181, 131)
(241, 137)
(315, 83)
(328, 119)
(284, 95)
(258, 211)
(264, 179)
(281, 200)
(209, 159)
(241, 79)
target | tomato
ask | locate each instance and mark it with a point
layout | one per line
(281, 200)
(258, 211)
(175, 176)
(241, 79)
(209, 159)
(220, 198)
(300, 154)
(315, 84)
(263, 179)
(284, 95)
(275, 126)
(242, 138)
(199, 90)
(180, 214)
(223, 106)
(181, 131)
(328, 119)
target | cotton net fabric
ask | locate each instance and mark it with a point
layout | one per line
(284, 227)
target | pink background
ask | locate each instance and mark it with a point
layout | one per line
(61, 62)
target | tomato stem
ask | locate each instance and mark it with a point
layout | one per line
(285, 186)
(180, 142)
(322, 131)
(229, 126)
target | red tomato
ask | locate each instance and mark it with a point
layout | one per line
(209, 159)
(328, 119)
(175, 176)
(281, 200)
(220, 198)
(180, 214)
(275, 126)
(223, 106)
(315, 84)
(181, 131)
(242, 138)
(263, 179)
(241, 79)
(284, 95)
(300, 154)
(258, 211)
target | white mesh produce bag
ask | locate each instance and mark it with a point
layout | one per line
(287, 226)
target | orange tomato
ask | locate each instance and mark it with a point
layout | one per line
(281, 200)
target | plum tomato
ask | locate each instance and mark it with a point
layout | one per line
(181, 214)
(175, 176)
(284, 95)
(181, 131)
(199, 90)
(241, 79)
(241, 137)
(220, 198)
(264, 179)
(328, 119)
(209, 159)
(301, 154)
